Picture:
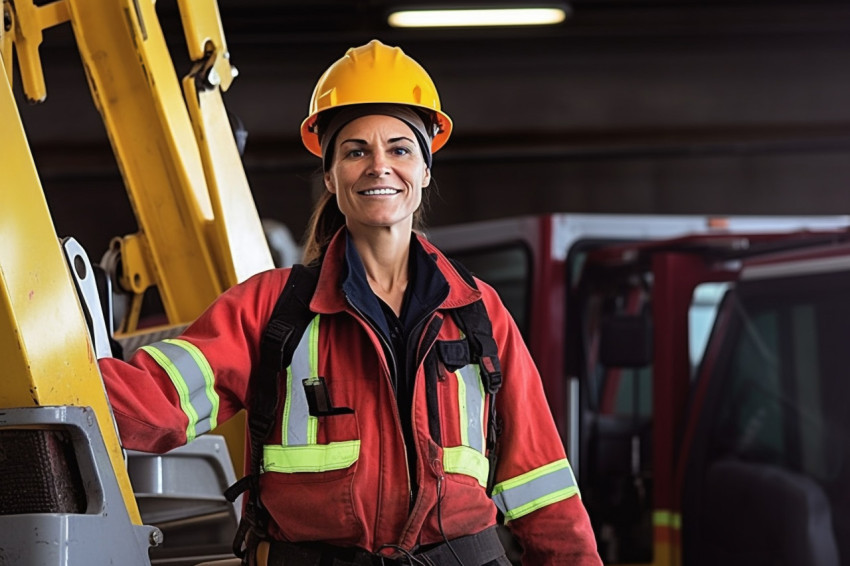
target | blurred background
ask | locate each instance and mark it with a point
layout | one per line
(724, 107)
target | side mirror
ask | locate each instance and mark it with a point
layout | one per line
(625, 341)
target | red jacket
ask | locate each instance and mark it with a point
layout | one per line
(343, 479)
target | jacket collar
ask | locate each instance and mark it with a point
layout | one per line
(329, 297)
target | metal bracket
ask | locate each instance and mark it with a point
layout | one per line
(26, 22)
(84, 280)
(206, 44)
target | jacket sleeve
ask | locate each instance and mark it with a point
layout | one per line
(173, 390)
(535, 489)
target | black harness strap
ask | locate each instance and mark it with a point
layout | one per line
(287, 324)
(475, 323)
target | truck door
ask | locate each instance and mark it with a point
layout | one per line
(765, 477)
(631, 309)
(609, 349)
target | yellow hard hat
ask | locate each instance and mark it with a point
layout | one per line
(375, 73)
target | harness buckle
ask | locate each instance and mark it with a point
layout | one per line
(492, 371)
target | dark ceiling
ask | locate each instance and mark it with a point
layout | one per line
(321, 21)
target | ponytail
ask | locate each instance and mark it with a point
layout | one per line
(325, 221)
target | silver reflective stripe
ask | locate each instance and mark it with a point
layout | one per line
(192, 377)
(471, 405)
(535, 489)
(297, 426)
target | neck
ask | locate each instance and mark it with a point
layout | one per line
(385, 256)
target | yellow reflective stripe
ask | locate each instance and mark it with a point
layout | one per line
(207, 372)
(310, 457)
(664, 518)
(461, 407)
(314, 347)
(535, 489)
(467, 461)
(298, 427)
(481, 396)
(313, 422)
(179, 385)
(287, 407)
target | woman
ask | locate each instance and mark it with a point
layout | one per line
(396, 471)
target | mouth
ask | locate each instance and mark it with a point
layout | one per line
(383, 191)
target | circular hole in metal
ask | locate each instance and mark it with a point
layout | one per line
(80, 267)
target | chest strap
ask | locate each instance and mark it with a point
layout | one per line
(287, 324)
(474, 322)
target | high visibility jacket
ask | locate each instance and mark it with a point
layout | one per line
(343, 478)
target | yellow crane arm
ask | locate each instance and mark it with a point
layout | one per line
(198, 223)
(198, 228)
(46, 350)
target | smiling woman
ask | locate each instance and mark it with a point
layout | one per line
(386, 442)
(377, 175)
(377, 161)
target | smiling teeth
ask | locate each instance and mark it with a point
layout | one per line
(380, 192)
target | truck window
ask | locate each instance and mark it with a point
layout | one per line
(786, 369)
(507, 268)
(775, 421)
(701, 315)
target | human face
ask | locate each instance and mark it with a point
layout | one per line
(378, 173)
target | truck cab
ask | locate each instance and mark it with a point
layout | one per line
(762, 472)
(685, 425)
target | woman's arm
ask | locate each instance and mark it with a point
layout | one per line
(169, 392)
(535, 488)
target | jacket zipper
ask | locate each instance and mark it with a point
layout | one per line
(394, 372)
(393, 377)
(430, 318)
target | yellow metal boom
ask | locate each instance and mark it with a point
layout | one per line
(199, 231)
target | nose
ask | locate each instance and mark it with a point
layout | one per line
(379, 165)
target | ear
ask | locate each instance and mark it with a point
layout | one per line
(426, 177)
(329, 184)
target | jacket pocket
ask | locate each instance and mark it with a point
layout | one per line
(308, 488)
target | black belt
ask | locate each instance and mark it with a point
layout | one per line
(472, 550)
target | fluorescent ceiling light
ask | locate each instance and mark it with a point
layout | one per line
(477, 17)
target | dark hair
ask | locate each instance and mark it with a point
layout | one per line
(327, 219)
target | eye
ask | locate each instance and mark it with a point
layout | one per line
(400, 150)
(354, 153)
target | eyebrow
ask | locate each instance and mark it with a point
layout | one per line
(364, 142)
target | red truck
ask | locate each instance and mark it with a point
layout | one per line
(696, 368)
